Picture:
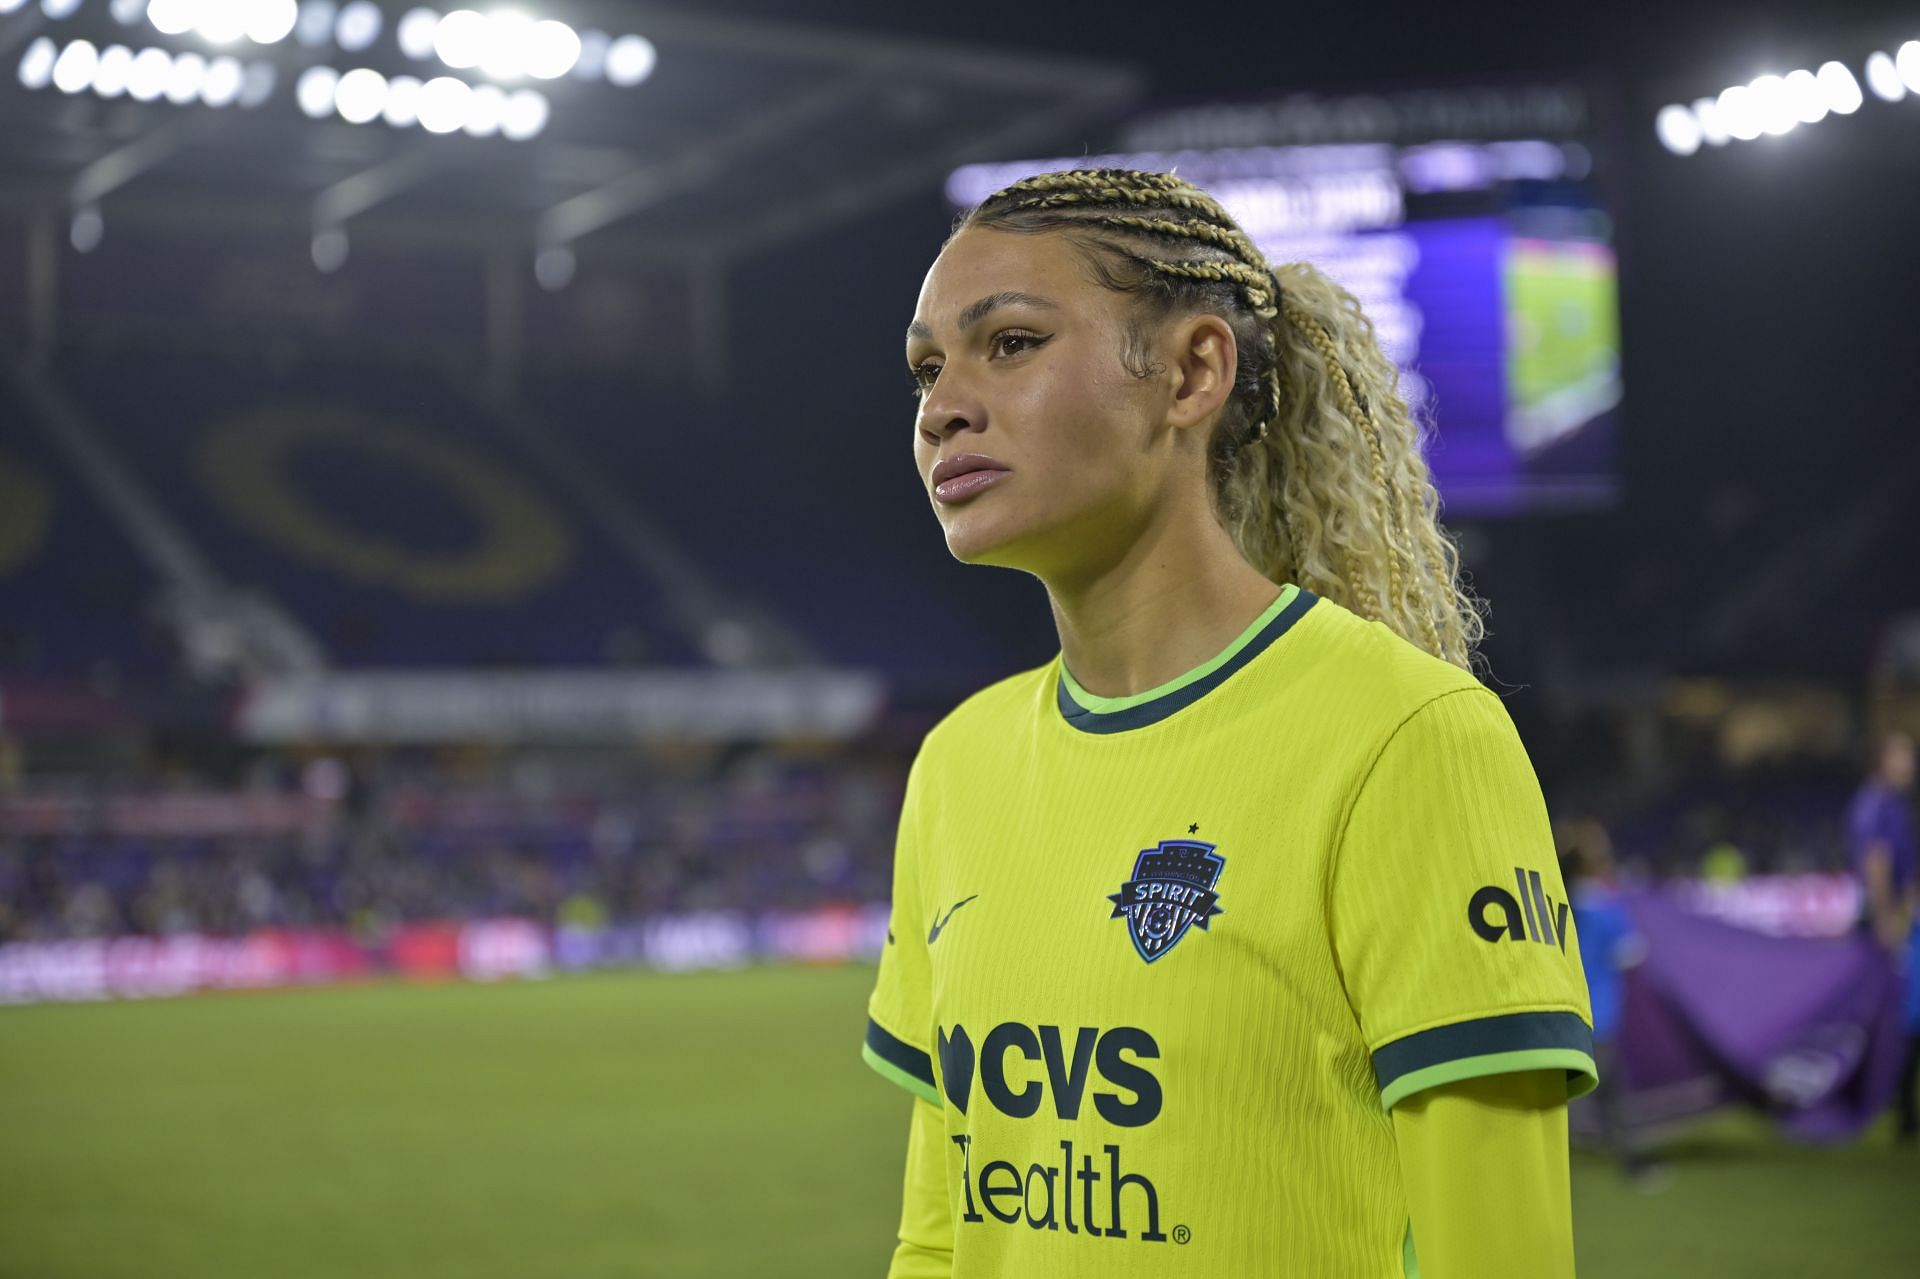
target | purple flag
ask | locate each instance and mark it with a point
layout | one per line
(1806, 1029)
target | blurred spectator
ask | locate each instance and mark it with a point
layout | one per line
(1609, 946)
(1881, 844)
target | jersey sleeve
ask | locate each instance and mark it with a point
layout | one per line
(1449, 922)
(900, 1011)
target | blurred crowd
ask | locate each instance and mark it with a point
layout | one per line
(367, 843)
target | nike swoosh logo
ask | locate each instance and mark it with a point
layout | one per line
(933, 934)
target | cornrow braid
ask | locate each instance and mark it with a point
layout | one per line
(1337, 496)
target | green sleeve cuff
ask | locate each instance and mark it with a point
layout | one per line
(1488, 1046)
(900, 1061)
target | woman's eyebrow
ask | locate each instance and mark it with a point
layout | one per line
(978, 311)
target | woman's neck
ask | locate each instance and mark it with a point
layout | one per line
(1179, 595)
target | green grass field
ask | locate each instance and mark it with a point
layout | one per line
(640, 1125)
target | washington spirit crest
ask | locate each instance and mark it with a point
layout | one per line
(1171, 889)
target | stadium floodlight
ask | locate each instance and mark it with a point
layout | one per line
(485, 106)
(526, 114)
(56, 10)
(554, 268)
(1808, 102)
(1839, 89)
(73, 69)
(36, 64)
(185, 78)
(271, 21)
(554, 49)
(1883, 77)
(256, 85)
(443, 104)
(125, 12)
(415, 33)
(358, 25)
(221, 88)
(403, 102)
(314, 91)
(8, 6)
(87, 229)
(1737, 113)
(1907, 63)
(329, 249)
(360, 96)
(1774, 105)
(110, 77)
(1678, 130)
(460, 39)
(592, 64)
(224, 21)
(1707, 112)
(147, 80)
(173, 17)
(503, 55)
(630, 60)
(315, 25)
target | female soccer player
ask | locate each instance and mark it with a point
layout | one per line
(1230, 942)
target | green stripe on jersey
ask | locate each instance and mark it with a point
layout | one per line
(919, 1088)
(1105, 705)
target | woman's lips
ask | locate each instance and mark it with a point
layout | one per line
(962, 487)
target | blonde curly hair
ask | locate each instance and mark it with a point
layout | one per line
(1316, 467)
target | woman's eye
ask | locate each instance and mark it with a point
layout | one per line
(1012, 343)
(923, 376)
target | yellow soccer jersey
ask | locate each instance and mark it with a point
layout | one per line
(1168, 961)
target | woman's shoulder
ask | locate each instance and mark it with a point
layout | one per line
(1373, 666)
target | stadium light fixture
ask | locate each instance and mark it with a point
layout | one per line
(222, 21)
(73, 69)
(358, 26)
(1839, 88)
(485, 105)
(8, 6)
(314, 27)
(58, 10)
(1678, 130)
(1706, 111)
(1737, 113)
(173, 17)
(443, 104)
(221, 88)
(526, 114)
(460, 39)
(361, 96)
(86, 229)
(630, 59)
(256, 84)
(116, 65)
(314, 91)
(1907, 63)
(415, 33)
(271, 21)
(1883, 77)
(555, 47)
(1808, 98)
(402, 110)
(36, 64)
(186, 78)
(125, 12)
(147, 78)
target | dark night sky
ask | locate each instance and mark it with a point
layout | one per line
(1768, 324)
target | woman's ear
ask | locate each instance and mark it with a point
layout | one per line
(1202, 359)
